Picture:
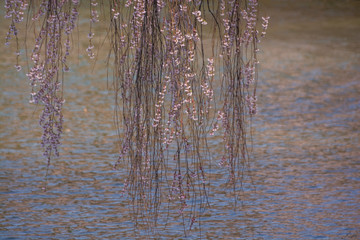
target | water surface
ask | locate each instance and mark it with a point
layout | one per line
(305, 171)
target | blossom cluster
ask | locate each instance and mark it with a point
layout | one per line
(49, 57)
(15, 12)
(251, 103)
(265, 25)
(199, 18)
(94, 18)
(250, 17)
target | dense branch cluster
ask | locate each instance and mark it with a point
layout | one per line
(183, 72)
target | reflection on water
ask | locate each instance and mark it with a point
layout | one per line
(306, 167)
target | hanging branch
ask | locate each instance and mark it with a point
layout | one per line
(166, 85)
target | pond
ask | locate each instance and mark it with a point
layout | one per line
(305, 170)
